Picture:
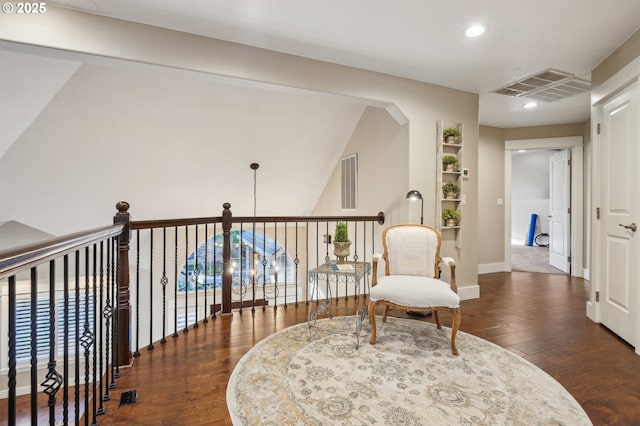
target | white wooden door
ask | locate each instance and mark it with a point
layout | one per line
(559, 217)
(620, 202)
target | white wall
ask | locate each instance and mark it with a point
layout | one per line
(382, 146)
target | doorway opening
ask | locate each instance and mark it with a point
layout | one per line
(530, 210)
(528, 190)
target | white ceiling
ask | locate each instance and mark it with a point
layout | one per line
(417, 39)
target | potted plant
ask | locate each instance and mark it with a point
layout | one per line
(451, 135)
(451, 217)
(341, 243)
(450, 162)
(451, 190)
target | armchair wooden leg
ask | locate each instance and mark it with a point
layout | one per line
(437, 318)
(372, 319)
(385, 308)
(457, 319)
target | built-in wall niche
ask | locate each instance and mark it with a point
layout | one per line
(449, 195)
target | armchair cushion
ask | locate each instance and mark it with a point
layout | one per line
(411, 250)
(414, 291)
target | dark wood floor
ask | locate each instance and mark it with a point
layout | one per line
(537, 316)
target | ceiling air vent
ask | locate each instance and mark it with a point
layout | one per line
(549, 85)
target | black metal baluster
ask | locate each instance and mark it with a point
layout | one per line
(175, 288)
(326, 259)
(87, 337)
(364, 249)
(12, 351)
(106, 313)
(297, 263)
(326, 245)
(355, 242)
(215, 235)
(196, 274)
(150, 346)
(373, 238)
(286, 264)
(254, 266)
(101, 339)
(96, 318)
(186, 280)
(34, 345)
(65, 350)
(355, 254)
(115, 372)
(115, 268)
(306, 280)
(240, 283)
(264, 265)
(136, 353)
(274, 264)
(53, 380)
(206, 271)
(164, 281)
(76, 348)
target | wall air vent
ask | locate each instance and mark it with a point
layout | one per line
(548, 86)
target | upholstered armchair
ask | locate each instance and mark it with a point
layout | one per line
(412, 277)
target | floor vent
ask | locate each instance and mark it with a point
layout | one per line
(128, 397)
(548, 86)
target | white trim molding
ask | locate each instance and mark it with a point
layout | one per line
(490, 268)
(469, 292)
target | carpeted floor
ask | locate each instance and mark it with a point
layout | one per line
(531, 259)
(409, 377)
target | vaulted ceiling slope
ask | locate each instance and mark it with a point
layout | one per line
(173, 144)
(27, 84)
(418, 39)
(14, 234)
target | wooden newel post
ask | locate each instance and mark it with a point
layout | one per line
(124, 305)
(227, 276)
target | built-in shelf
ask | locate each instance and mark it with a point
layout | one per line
(444, 176)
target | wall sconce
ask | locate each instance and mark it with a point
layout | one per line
(416, 195)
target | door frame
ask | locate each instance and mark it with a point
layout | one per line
(575, 144)
(611, 88)
(623, 78)
(598, 227)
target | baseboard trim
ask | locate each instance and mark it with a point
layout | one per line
(490, 268)
(591, 312)
(469, 292)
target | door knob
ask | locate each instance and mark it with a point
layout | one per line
(633, 227)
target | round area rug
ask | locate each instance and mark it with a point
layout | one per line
(409, 377)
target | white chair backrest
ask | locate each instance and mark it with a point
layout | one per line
(411, 250)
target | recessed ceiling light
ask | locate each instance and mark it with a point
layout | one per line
(530, 105)
(475, 30)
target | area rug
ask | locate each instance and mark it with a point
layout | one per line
(409, 377)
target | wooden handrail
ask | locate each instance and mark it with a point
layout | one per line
(169, 223)
(270, 219)
(22, 258)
